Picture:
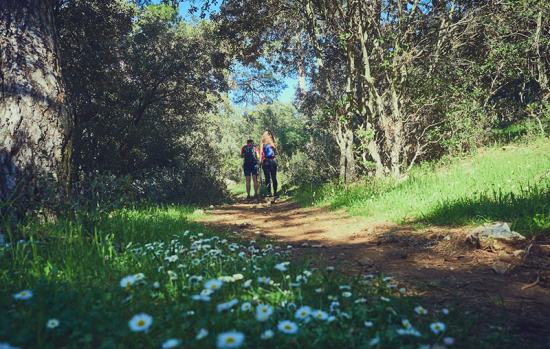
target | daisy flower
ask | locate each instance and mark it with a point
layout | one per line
(403, 290)
(238, 276)
(267, 334)
(171, 258)
(368, 324)
(173, 276)
(406, 323)
(385, 299)
(319, 315)
(445, 311)
(287, 327)
(331, 318)
(386, 279)
(202, 333)
(127, 281)
(263, 280)
(346, 294)
(303, 312)
(361, 300)
(368, 277)
(213, 284)
(200, 297)
(52, 323)
(171, 343)
(139, 276)
(280, 267)
(319, 290)
(226, 306)
(140, 322)
(332, 298)
(263, 312)
(374, 341)
(437, 327)
(307, 273)
(420, 311)
(246, 306)
(26, 294)
(206, 292)
(247, 283)
(195, 279)
(231, 339)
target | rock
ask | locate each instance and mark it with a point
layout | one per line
(258, 206)
(249, 223)
(211, 206)
(317, 246)
(371, 230)
(497, 236)
(305, 244)
(519, 253)
(198, 212)
(257, 232)
(501, 269)
(365, 262)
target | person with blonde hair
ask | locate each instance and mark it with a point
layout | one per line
(268, 151)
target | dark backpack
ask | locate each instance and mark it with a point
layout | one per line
(250, 156)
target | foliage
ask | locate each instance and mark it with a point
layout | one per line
(76, 279)
(139, 81)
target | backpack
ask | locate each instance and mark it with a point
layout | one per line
(268, 151)
(250, 155)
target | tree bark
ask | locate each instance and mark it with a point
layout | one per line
(35, 117)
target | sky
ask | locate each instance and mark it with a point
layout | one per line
(292, 84)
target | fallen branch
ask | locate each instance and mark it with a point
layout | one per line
(531, 285)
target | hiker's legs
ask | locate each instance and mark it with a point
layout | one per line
(256, 185)
(273, 169)
(267, 174)
(248, 185)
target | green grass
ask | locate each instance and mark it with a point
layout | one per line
(511, 185)
(75, 277)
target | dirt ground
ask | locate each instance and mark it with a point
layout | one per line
(435, 262)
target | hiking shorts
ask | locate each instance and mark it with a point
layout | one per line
(250, 171)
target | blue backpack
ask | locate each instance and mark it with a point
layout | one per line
(268, 151)
(250, 155)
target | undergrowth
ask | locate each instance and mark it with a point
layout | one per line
(149, 278)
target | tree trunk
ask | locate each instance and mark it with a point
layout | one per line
(35, 118)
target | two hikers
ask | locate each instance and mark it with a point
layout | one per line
(251, 155)
(266, 158)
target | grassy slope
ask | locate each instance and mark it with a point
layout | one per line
(510, 185)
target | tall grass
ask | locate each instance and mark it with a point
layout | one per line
(511, 185)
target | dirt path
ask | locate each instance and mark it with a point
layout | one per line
(435, 262)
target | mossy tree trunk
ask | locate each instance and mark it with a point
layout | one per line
(35, 117)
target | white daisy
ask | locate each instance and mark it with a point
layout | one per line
(406, 323)
(171, 343)
(172, 258)
(287, 327)
(263, 312)
(139, 276)
(202, 333)
(200, 297)
(52, 323)
(247, 283)
(303, 312)
(231, 339)
(360, 300)
(140, 322)
(319, 315)
(127, 281)
(437, 327)
(420, 311)
(26, 294)
(374, 341)
(267, 334)
(385, 299)
(368, 324)
(280, 267)
(246, 306)
(213, 284)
